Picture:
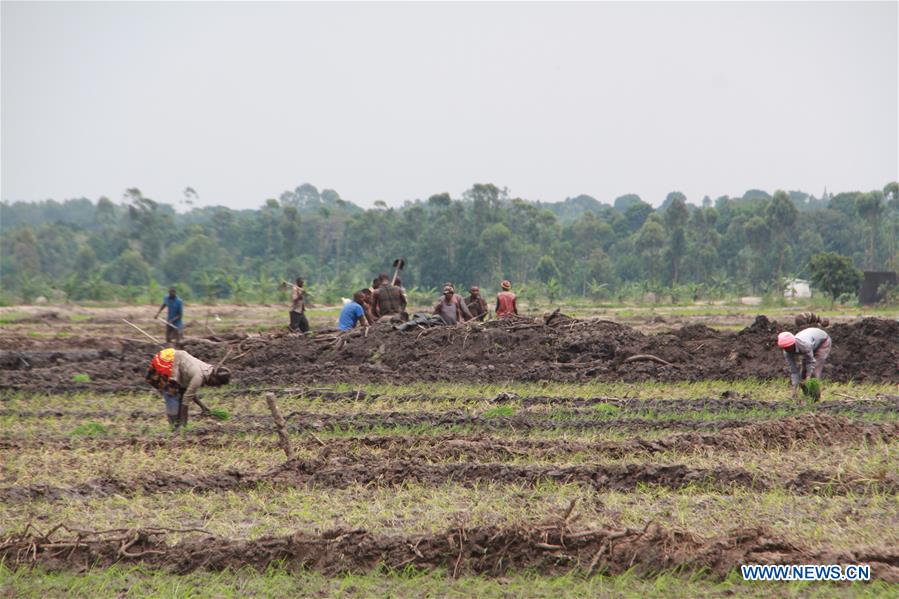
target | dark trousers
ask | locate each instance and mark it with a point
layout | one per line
(174, 335)
(298, 322)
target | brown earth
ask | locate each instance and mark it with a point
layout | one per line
(552, 548)
(784, 433)
(522, 349)
(404, 467)
(573, 407)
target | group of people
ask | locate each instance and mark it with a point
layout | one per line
(386, 298)
(178, 375)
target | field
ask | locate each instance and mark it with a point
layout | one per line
(533, 457)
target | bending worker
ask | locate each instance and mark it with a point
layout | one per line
(179, 375)
(812, 346)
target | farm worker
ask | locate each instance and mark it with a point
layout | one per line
(376, 282)
(352, 313)
(477, 305)
(505, 301)
(388, 299)
(366, 305)
(812, 345)
(298, 321)
(179, 375)
(451, 308)
(174, 330)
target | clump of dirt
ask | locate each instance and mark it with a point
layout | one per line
(524, 349)
(552, 548)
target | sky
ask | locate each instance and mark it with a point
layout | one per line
(398, 101)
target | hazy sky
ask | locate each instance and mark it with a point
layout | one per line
(399, 101)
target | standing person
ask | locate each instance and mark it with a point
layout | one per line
(388, 299)
(451, 308)
(179, 375)
(477, 305)
(812, 345)
(505, 301)
(174, 330)
(298, 319)
(352, 313)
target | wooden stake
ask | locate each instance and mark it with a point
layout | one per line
(143, 332)
(280, 426)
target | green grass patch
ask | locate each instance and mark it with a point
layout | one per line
(13, 317)
(81, 377)
(89, 429)
(606, 409)
(500, 412)
(219, 414)
(125, 581)
(811, 389)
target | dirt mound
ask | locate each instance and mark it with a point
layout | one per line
(486, 550)
(569, 350)
(520, 349)
(329, 471)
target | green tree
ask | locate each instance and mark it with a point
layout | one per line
(870, 207)
(834, 274)
(650, 242)
(547, 269)
(675, 220)
(85, 260)
(495, 240)
(781, 216)
(129, 268)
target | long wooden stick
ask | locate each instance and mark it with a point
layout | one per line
(647, 358)
(143, 332)
(161, 319)
(280, 425)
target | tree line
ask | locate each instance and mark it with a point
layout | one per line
(95, 250)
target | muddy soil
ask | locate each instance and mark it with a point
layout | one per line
(570, 407)
(341, 472)
(817, 430)
(552, 548)
(521, 349)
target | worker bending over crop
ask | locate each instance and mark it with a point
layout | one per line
(179, 375)
(811, 346)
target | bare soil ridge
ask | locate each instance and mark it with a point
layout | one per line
(551, 548)
(524, 349)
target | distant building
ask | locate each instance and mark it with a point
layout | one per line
(797, 289)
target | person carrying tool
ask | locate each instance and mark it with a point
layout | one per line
(174, 328)
(477, 305)
(505, 301)
(812, 346)
(179, 375)
(388, 299)
(352, 313)
(451, 308)
(298, 321)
